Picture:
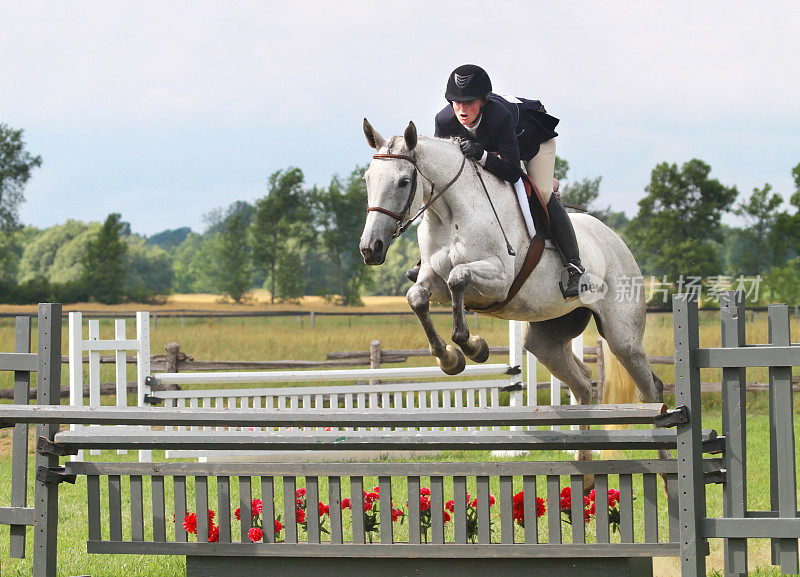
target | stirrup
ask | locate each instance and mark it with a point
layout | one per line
(574, 273)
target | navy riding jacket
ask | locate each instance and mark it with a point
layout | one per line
(512, 131)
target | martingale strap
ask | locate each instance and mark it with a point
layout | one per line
(535, 251)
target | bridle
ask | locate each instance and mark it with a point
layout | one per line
(403, 226)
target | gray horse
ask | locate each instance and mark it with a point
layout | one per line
(466, 262)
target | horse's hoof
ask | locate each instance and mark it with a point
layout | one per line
(454, 361)
(479, 349)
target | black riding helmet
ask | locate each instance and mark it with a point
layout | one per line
(468, 82)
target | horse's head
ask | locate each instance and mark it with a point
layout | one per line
(391, 188)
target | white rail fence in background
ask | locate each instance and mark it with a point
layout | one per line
(468, 389)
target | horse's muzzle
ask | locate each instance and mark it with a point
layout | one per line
(373, 253)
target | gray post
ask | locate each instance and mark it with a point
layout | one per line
(783, 477)
(313, 320)
(172, 357)
(19, 453)
(734, 494)
(691, 487)
(45, 526)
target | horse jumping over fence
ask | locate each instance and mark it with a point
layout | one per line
(467, 261)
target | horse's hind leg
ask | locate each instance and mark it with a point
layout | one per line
(449, 359)
(550, 342)
(473, 346)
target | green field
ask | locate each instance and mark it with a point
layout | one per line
(293, 338)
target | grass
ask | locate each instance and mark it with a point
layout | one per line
(293, 338)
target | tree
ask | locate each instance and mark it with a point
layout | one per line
(679, 220)
(339, 214)
(758, 243)
(234, 258)
(104, 262)
(148, 270)
(284, 214)
(787, 225)
(16, 165)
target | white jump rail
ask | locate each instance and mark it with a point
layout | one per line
(444, 395)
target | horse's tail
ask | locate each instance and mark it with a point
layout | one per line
(618, 387)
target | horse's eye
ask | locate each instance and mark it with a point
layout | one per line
(404, 182)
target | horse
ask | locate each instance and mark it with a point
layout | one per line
(465, 238)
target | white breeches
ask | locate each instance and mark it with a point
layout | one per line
(540, 168)
(522, 198)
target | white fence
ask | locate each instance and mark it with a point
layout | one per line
(454, 392)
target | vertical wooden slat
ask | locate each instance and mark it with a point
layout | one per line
(460, 509)
(19, 451)
(335, 504)
(224, 508)
(414, 533)
(289, 509)
(120, 365)
(75, 369)
(470, 402)
(94, 372)
(137, 509)
(387, 525)
(781, 422)
(179, 492)
(576, 508)
(114, 508)
(268, 509)
(672, 507)
(484, 511)
(482, 403)
(201, 503)
(159, 521)
(93, 501)
(553, 509)
(529, 505)
(458, 403)
(357, 501)
(312, 509)
(245, 508)
(437, 508)
(734, 403)
(650, 490)
(626, 508)
(601, 509)
(143, 368)
(506, 516)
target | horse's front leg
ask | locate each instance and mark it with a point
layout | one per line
(450, 359)
(490, 280)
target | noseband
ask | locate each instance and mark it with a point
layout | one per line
(403, 226)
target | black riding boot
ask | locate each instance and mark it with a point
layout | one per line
(563, 235)
(413, 273)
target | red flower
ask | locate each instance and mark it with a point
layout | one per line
(424, 503)
(301, 516)
(450, 506)
(278, 526)
(301, 492)
(376, 490)
(613, 497)
(213, 534)
(238, 513)
(211, 517)
(424, 491)
(367, 506)
(256, 534)
(591, 495)
(346, 504)
(256, 507)
(323, 509)
(396, 514)
(474, 503)
(190, 523)
(566, 498)
(446, 516)
(491, 500)
(540, 506)
(374, 496)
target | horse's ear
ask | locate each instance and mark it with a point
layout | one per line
(374, 139)
(410, 136)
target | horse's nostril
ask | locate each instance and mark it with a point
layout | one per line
(378, 247)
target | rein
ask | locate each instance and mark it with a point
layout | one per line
(403, 226)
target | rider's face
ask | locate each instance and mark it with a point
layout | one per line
(467, 112)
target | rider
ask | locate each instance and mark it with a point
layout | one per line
(498, 132)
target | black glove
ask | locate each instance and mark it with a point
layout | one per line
(471, 149)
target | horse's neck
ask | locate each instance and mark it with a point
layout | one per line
(442, 163)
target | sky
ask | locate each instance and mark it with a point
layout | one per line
(165, 111)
